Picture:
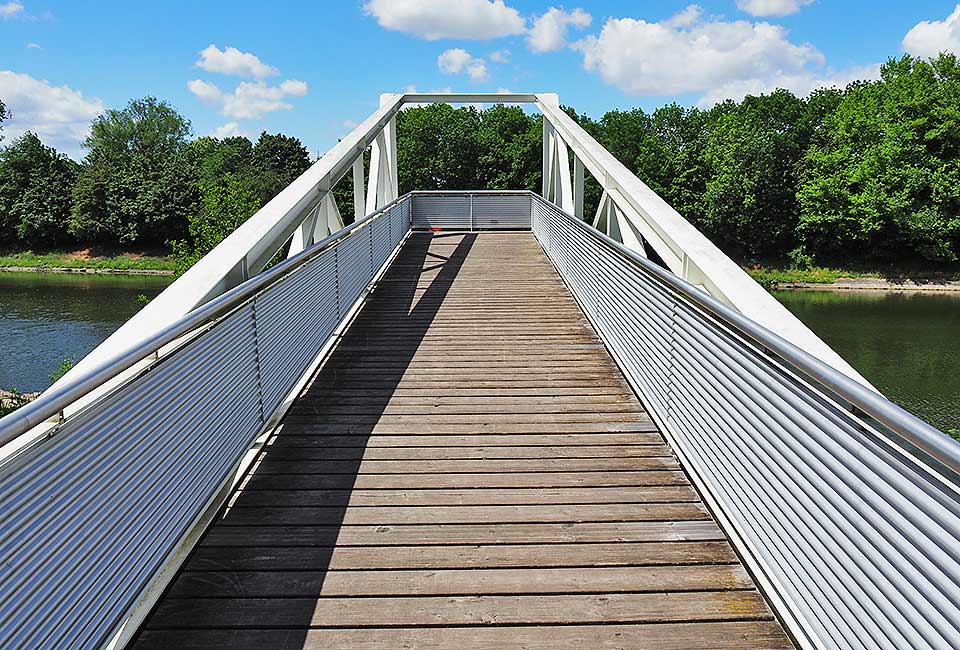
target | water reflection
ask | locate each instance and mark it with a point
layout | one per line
(45, 317)
(905, 344)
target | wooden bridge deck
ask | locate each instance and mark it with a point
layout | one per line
(468, 470)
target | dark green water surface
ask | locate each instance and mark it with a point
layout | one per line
(45, 317)
(905, 344)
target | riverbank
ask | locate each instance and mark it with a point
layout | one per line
(83, 270)
(875, 284)
(829, 279)
(88, 261)
(10, 401)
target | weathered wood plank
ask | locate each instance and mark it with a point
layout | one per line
(299, 558)
(402, 515)
(554, 533)
(461, 610)
(292, 438)
(429, 481)
(452, 466)
(754, 635)
(458, 582)
(467, 453)
(462, 497)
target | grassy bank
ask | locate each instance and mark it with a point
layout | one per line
(772, 276)
(86, 259)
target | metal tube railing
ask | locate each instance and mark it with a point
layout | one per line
(51, 403)
(845, 507)
(96, 513)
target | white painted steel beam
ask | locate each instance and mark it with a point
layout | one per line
(670, 234)
(248, 247)
(682, 247)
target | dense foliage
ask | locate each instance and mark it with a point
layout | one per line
(868, 174)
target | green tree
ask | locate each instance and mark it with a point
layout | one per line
(510, 149)
(226, 203)
(438, 148)
(217, 158)
(750, 204)
(883, 175)
(277, 161)
(4, 115)
(35, 193)
(138, 184)
(672, 159)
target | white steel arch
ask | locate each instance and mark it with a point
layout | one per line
(305, 212)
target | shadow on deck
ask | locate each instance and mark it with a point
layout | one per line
(468, 469)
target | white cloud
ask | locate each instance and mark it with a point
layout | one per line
(251, 99)
(11, 10)
(500, 56)
(59, 115)
(33, 46)
(231, 61)
(930, 38)
(688, 54)
(457, 60)
(229, 130)
(549, 31)
(205, 91)
(801, 84)
(436, 19)
(772, 7)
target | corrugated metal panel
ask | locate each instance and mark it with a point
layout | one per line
(501, 211)
(856, 540)
(448, 211)
(472, 210)
(89, 516)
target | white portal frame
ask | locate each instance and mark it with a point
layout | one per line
(306, 211)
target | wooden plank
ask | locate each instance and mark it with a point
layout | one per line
(466, 453)
(298, 558)
(461, 610)
(309, 426)
(292, 438)
(753, 635)
(253, 495)
(403, 515)
(483, 420)
(260, 481)
(452, 466)
(553, 533)
(458, 582)
(552, 409)
(462, 497)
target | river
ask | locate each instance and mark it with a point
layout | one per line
(906, 344)
(47, 317)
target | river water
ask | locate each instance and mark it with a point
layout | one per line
(907, 345)
(46, 317)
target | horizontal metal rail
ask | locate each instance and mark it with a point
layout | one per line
(849, 517)
(91, 512)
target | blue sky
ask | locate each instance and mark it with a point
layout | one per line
(314, 69)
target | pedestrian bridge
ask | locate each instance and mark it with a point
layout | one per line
(472, 420)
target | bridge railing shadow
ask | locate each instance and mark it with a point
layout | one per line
(277, 538)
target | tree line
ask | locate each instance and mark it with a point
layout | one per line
(867, 174)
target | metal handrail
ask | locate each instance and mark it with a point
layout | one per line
(845, 507)
(51, 403)
(918, 433)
